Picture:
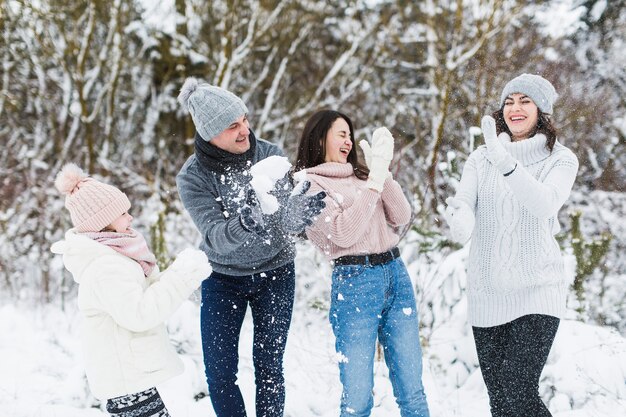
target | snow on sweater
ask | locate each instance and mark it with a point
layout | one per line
(515, 265)
(213, 198)
(357, 220)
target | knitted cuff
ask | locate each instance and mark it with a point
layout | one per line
(507, 164)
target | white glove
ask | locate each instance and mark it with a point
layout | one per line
(193, 265)
(496, 154)
(460, 219)
(378, 157)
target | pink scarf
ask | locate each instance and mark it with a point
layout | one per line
(130, 244)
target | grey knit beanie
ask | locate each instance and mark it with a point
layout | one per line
(212, 108)
(534, 86)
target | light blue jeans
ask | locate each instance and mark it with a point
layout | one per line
(369, 302)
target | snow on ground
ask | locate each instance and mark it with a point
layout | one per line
(41, 373)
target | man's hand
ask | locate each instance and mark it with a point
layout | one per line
(301, 209)
(251, 215)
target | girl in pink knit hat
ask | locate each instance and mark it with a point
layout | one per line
(122, 296)
(372, 295)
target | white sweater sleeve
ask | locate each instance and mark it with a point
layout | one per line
(544, 198)
(118, 291)
(467, 190)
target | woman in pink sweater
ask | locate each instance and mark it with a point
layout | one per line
(372, 296)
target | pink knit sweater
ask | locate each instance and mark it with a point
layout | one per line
(357, 220)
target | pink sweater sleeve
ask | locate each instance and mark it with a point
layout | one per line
(348, 226)
(397, 207)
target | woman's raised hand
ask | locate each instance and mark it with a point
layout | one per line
(496, 154)
(378, 157)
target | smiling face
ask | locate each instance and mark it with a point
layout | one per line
(338, 142)
(520, 115)
(235, 138)
(121, 224)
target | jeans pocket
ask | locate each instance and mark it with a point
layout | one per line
(343, 272)
(344, 282)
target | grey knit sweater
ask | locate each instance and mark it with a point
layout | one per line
(515, 265)
(214, 197)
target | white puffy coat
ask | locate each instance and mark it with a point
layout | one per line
(125, 343)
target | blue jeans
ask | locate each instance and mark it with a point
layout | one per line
(369, 302)
(224, 302)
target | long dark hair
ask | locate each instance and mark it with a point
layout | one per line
(312, 146)
(544, 126)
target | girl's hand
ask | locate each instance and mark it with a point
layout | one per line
(193, 265)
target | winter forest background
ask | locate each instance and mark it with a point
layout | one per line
(95, 83)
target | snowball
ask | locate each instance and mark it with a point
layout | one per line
(265, 173)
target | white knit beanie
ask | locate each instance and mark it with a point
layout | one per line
(92, 204)
(212, 108)
(534, 86)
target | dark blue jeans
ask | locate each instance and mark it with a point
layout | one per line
(511, 358)
(224, 302)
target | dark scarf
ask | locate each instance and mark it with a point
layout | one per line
(219, 160)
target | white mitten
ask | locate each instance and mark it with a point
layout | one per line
(460, 219)
(496, 154)
(193, 265)
(367, 152)
(378, 157)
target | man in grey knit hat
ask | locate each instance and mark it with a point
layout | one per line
(252, 253)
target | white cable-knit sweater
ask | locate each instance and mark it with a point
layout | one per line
(515, 265)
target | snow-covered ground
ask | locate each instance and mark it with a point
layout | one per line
(41, 371)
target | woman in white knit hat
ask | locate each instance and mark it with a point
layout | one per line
(123, 297)
(508, 199)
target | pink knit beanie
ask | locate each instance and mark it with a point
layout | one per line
(93, 205)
